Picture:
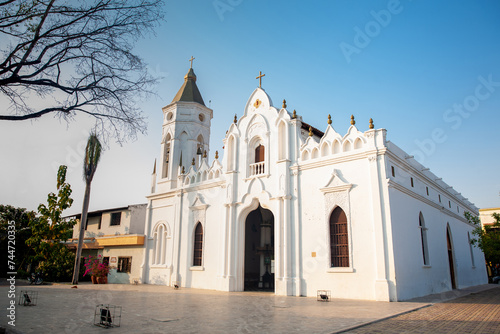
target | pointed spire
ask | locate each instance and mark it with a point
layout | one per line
(235, 119)
(284, 104)
(352, 120)
(310, 131)
(216, 154)
(371, 126)
(294, 115)
(329, 119)
(189, 92)
(154, 168)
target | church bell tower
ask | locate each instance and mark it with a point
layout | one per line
(186, 130)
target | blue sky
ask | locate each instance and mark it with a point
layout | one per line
(427, 71)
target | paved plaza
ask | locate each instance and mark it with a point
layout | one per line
(161, 309)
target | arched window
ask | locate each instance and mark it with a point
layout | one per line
(198, 245)
(470, 249)
(339, 239)
(160, 236)
(259, 153)
(166, 156)
(423, 238)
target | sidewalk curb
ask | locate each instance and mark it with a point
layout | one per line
(345, 330)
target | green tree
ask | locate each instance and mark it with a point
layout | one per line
(91, 160)
(22, 219)
(50, 230)
(69, 58)
(486, 237)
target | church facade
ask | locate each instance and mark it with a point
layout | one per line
(292, 209)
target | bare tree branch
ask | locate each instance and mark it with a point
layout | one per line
(78, 56)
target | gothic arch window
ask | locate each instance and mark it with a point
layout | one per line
(231, 156)
(160, 236)
(423, 239)
(282, 142)
(259, 153)
(471, 251)
(256, 157)
(339, 239)
(166, 156)
(198, 245)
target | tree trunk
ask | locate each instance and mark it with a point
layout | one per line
(83, 222)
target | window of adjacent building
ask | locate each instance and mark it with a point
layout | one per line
(411, 179)
(124, 264)
(449, 204)
(339, 241)
(115, 218)
(427, 190)
(439, 196)
(392, 171)
(99, 223)
(423, 238)
(198, 245)
(105, 260)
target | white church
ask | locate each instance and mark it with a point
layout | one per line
(292, 209)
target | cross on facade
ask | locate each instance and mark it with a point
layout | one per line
(260, 78)
(191, 60)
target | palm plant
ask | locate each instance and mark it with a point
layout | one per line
(92, 156)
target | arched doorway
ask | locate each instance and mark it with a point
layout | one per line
(450, 258)
(259, 251)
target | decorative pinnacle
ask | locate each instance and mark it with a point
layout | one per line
(192, 162)
(310, 131)
(205, 153)
(329, 119)
(352, 120)
(235, 119)
(284, 103)
(371, 126)
(216, 154)
(294, 115)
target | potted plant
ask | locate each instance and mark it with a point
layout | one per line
(97, 269)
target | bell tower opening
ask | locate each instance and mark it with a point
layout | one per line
(259, 250)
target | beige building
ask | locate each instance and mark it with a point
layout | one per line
(485, 215)
(118, 236)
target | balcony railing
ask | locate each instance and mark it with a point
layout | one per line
(257, 168)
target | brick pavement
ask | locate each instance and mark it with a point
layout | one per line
(161, 309)
(474, 313)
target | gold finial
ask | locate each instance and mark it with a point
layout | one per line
(205, 153)
(235, 119)
(371, 126)
(294, 115)
(310, 131)
(216, 154)
(191, 60)
(260, 78)
(183, 170)
(284, 103)
(192, 162)
(329, 119)
(352, 120)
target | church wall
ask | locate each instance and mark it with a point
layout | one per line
(415, 279)
(358, 281)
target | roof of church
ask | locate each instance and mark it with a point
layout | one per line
(189, 92)
(314, 130)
